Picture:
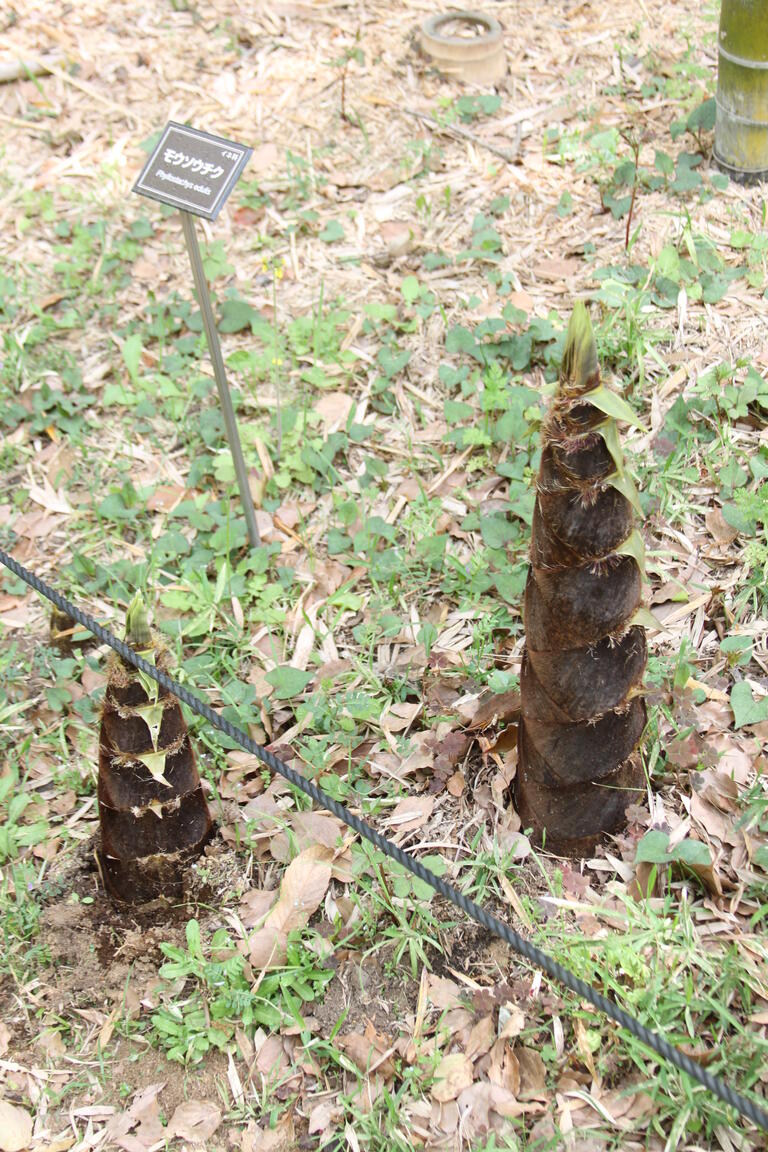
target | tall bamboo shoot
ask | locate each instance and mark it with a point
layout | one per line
(583, 711)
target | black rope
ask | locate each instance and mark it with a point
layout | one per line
(534, 955)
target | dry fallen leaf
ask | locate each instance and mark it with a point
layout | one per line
(49, 498)
(719, 528)
(144, 1116)
(303, 887)
(504, 1068)
(321, 1116)
(367, 1052)
(307, 828)
(5, 1038)
(399, 717)
(195, 1120)
(489, 708)
(271, 1057)
(15, 1128)
(399, 236)
(556, 269)
(444, 993)
(511, 1022)
(333, 409)
(254, 905)
(304, 884)
(481, 1037)
(533, 1073)
(267, 947)
(410, 813)
(452, 1075)
(264, 157)
(52, 1042)
(278, 1139)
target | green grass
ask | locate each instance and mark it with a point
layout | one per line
(383, 575)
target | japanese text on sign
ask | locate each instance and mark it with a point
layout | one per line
(203, 167)
(192, 170)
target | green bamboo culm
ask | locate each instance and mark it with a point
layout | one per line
(741, 126)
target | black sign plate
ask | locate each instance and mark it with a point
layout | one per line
(192, 170)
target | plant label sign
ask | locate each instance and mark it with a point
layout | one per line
(192, 170)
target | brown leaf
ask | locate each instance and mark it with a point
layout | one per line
(554, 270)
(321, 1116)
(52, 1042)
(146, 1109)
(246, 217)
(333, 408)
(264, 157)
(308, 828)
(267, 947)
(456, 784)
(366, 1052)
(481, 1038)
(302, 889)
(49, 498)
(410, 813)
(254, 905)
(15, 1128)
(582, 1042)
(511, 1022)
(385, 179)
(5, 1038)
(195, 1120)
(490, 708)
(399, 236)
(144, 1115)
(522, 300)
(271, 1057)
(165, 497)
(533, 1074)
(450, 751)
(452, 1075)
(399, 717)
(444, 993)
(278, 1139)
(685, 751)
(719, 528)
(504, 1068)
(671, 590)
(480, 1099)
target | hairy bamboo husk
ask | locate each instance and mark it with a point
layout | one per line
(153, 814)
(583, 711)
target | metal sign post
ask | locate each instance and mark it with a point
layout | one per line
(214, 347)
(195, 172)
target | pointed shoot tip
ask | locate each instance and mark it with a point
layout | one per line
(137, 630)
(579, 368)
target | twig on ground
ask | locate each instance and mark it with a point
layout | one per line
(11, 70)
(508, 157)
(48, 66)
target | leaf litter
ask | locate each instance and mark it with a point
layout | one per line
(479, 1045)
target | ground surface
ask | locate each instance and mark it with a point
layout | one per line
(392, 296)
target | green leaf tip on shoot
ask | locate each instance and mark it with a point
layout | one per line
(137, 630)
(579, 370)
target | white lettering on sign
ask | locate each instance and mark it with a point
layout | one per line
(200, 167)
(192, 170)
(166, 177)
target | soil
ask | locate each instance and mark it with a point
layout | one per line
(367, 990)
